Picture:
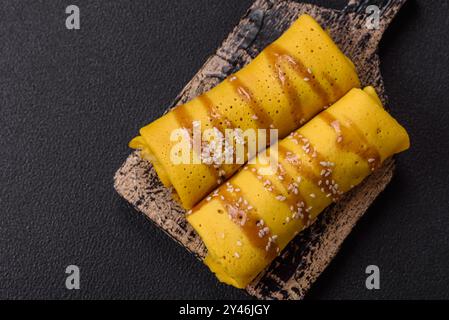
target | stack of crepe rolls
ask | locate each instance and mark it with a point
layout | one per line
(250, 219)
(288, 83)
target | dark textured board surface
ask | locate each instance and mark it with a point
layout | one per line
(71, 100)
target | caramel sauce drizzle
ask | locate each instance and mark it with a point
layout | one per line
(276, 55)
(337, 91)
(321, 180)
(349, 137)
(262, 117)
(301, 170)
(292, 200)
(246, 218)
(218, 120)
(295, 198)
(183, 117)
(293, 96)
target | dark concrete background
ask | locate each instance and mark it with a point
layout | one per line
(71, 100)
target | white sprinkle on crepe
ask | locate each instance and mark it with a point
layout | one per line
(371, 160)
(306, 79)
(189, 212)
(239, 243)
(263, 232)
(309, 70)
(237, 255)
(244, 93)
(336, 125)
(254, 117)
(327, 164)
(312, 195)
(281, 198)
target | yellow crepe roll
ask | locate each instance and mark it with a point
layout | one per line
(247, 221)
(288, 83)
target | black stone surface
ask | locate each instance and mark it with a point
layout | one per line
(71, 100)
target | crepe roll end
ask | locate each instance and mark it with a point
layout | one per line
(396, 128)
(139, 143)
(231, 243)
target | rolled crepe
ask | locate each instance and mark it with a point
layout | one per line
(247, 221)
(292, 80)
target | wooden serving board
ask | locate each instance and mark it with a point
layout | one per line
(305, 258)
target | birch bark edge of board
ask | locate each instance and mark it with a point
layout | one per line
(305, 258)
